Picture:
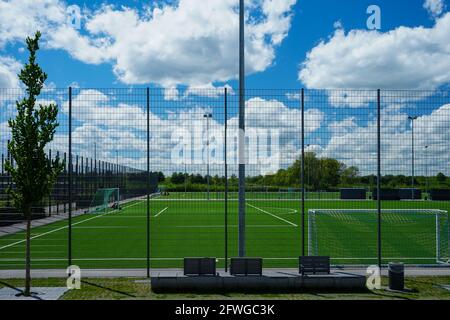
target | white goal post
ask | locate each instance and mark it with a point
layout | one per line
(398, 219)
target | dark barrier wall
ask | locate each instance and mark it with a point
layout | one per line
(387, 194)
(440, 194)
(408, 193)
(353, 194)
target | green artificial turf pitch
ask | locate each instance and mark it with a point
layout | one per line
(191, 226)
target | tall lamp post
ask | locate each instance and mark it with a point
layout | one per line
(207, 116)
(117, 168)
(185, 179)
(117, 178)
(412, 118)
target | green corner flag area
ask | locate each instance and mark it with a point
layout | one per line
(189, 225)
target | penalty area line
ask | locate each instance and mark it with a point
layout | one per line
(272, 215)
(64, 227)
(155, 216)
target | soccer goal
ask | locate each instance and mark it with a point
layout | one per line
(350, 236)
(105, 200)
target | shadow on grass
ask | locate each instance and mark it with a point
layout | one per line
(19, 292)
(108, 289)
(385, 293)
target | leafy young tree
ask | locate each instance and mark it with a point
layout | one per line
(31, 131)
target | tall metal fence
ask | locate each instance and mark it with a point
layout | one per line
(359, 175)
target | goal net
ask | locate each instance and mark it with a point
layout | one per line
(350, 236)
(105, 200)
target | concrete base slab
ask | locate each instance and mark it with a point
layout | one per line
(270, 281)
(39, 293)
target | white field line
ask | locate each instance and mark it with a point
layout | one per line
(64, 227)
(127, 217)
(48, 239)
(44, 245)
(34, 251)
(155, 216)
(235, 226)
(273, 215)
(106, 227)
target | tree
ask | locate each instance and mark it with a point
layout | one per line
(349, 175)
(441, 177)
(177, 178)
(32, 130)
(329, 173)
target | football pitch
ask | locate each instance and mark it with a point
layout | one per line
(190, 225)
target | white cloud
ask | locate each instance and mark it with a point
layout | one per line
(186, 42)
(355, 143)
(434, 7)
(404, 58)
(171, 94)
(97, 108)
(9, 68)
(83, 48)
(115, 125)
(209, 90)
(338, 24)
(21, 18)
(189, 43)
(293, 96)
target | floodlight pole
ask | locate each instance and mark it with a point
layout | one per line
(412, 154)
(207, 116)
(117, 169)
(241, 147)
(185, 179)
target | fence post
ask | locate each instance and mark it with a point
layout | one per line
(3, 173)
(148, 183)
(77, 182)
(50, 193)
(379, 173)
(303, 172)
(65, 180)
(226, 177)
(58, 187)
(82, 182)
(8, 179)
(70, 178)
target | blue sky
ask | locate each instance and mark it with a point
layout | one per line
(312, 21)
(177, 46)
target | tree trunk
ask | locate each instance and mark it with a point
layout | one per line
(27, 291)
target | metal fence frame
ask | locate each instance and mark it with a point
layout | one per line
(302, 103)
